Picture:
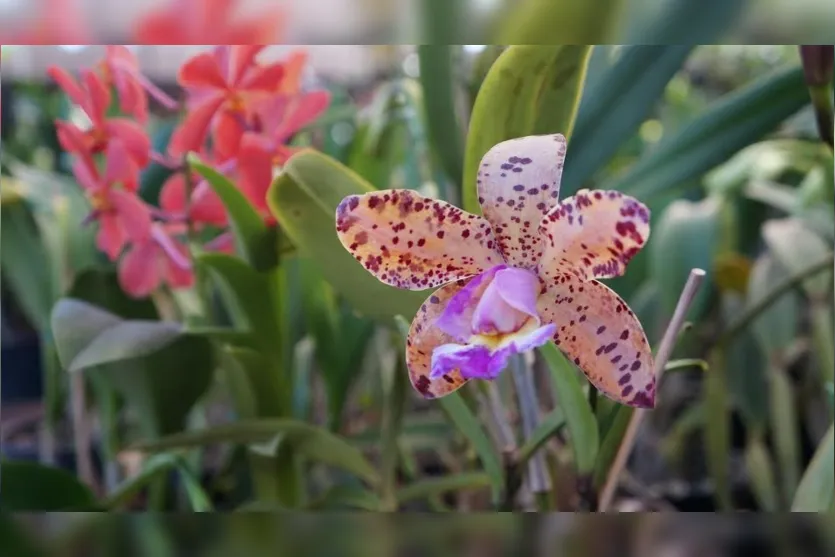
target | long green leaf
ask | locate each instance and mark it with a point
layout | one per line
(438, 486)
(255, 239)
(158, 466)
(308, 440)
(549, 22)
(730, 124)
(304, 199)
(437, 76)
(529, 90)
(579, 418)
(615, 107)
(816, 492)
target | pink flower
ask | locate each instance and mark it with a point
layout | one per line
(121, 215)
(204, 206)
(155, 260)
(524, 273)
(223, 87)
(93, 97)
(120, 68)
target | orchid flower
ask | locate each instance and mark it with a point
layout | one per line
(122, 216)
(154, 260)
(523, 274)
(222, 87)
(93, 97)
(120, 68)
(203, 207)
(196, 22)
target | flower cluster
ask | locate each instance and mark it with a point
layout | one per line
(521, 275)
(239, 115)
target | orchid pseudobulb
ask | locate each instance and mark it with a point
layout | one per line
(523, 274)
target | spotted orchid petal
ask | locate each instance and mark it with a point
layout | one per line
(414, 242)
(518, 183)
(424, 337)
(593, 235)
(597, 330)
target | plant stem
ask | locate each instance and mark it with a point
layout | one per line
(665, 350)
(539, 481)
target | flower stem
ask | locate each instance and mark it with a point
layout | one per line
(665, 350)
(539, 481)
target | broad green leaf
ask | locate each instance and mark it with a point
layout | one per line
(549, 22)
(685, 237)
(683, 21)
(579, 418)
(439, 82)
(159, 369)
(816, 492)
(730, 124)
(255, 239)
(304, 199)
(763, 481)
(529, 90)
(25, 263)
(612, 110)
(158, 467)
(33, 487)
(310, 441)
(437, 486)
(796, 247)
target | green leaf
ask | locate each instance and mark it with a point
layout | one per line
(685, 22)
(17, 539)
(529, 90)
(549, 22)
(470, 426)
(730, 124)
(612, 110)
(816, 492)
(25, 263)
(32, 487)
(438, 486)
(304, 199)
(579, 418)
(100, 286)
(686, 236)
(760, 469)
(785, 432)
(159, 369)
(255, 239)
(158, 467)
(611, 443)
(546, 429)
(776, 328)
(310, 441)
(796, 247)
(437, 77)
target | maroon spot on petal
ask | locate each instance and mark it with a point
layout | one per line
(577, 361)
(643, 400)
(434, 299)
(421, 242)
(616, 359)
(518, 187)
(635, 365)
(626, 390)
(448, 379)
(609, 347)
(600, 329)
(422, 384)
(440, 234)
(625, 334)
(625, 378)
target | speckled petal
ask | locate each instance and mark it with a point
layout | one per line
(424, 337)
(593, 234)
(414, 242)
(598, 331)
(518, 183)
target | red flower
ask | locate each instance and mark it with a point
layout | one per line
(205, 22)
(122, 216)
(120, 68)
(57, 22)
(204, 206)
(223, 86)
(155, 260)
(93, 97)
(281, 117)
